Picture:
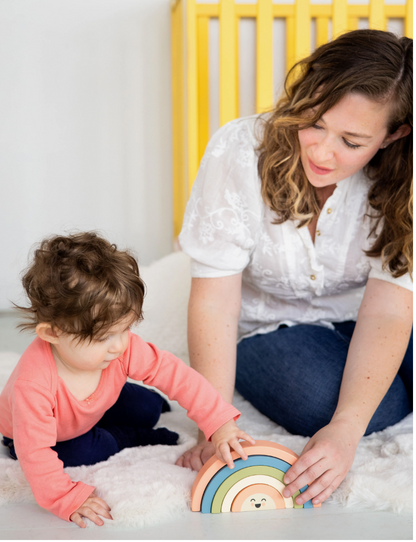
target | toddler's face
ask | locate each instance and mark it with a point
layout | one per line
(97, 354)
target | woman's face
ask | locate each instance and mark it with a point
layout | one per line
(344, 139)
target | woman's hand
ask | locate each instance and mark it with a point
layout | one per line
(92, 508)
(197, 456)
(323, 464)
(226, 437)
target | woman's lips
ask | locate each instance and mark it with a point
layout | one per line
(319, 170)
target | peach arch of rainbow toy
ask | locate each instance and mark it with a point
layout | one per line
(254, 484)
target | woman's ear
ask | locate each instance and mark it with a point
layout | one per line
(402, 131)
(45, 332)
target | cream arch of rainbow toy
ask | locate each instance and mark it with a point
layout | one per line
(254, 484)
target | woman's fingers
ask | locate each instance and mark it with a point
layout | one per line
(321, 497)
(180, 461)
(308, 474)
(207, 452)
(305, 462)
(323, 464)
(197, 456)
(321, 489)
(316, 486)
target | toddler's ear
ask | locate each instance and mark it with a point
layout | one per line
(46, 333)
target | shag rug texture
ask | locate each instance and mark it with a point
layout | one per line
(144, 487)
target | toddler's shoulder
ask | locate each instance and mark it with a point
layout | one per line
(36, 366)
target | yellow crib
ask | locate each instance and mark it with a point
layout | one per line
(190, 63)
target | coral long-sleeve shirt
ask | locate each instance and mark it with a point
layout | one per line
(37, 411)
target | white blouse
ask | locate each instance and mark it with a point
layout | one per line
(287, 279)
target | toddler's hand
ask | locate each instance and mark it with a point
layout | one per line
(91, 509)
(227, 436)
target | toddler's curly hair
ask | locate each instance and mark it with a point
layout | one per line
(81, 285)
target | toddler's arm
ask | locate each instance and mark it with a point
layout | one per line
(227, 436)
(181, 383)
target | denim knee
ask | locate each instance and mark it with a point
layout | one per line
(293, 375)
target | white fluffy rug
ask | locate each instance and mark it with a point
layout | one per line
(143, 486)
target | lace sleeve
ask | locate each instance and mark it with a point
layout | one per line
(225, 208)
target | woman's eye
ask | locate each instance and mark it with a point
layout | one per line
(102, 340)
(317, 127)
(351, 145)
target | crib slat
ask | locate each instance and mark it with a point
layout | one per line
(408, 21)
(302, 29)
(192, 96)
(376, 17)
(203, 85)
(290, 42)
(228, 62)
(339, 17)
(352, 23)
(321, 30)
(264, 37)
(237, 63)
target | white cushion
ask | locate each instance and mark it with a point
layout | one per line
(168, 283)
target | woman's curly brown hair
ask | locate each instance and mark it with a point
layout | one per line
(82, 285)
(379, 66)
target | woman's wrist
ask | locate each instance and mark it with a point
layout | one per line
(353, 424)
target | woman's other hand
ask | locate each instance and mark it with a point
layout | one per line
(323, 464)
(92, 508)
(197, 456)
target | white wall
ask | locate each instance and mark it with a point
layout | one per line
(85, 121)
(85, 126)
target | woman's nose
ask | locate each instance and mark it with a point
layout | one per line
(323, 150)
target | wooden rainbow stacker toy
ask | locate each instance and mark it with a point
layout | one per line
(254, 484)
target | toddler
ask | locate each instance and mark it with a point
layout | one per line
(67, 402)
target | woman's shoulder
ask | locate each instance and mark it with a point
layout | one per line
(240, 132)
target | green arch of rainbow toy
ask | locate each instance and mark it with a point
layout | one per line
(256, 483)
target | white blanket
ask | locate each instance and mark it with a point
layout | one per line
(143, 486)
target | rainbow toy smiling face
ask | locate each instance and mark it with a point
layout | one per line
(267, 498)
(254, 484)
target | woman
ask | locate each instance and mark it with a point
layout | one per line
(300, 231)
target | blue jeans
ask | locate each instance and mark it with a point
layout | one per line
(126, 424)
(293, 376)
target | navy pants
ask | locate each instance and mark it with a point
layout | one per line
(293, 376)
(126, 424)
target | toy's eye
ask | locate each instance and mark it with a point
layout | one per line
(252, 500)
(264, 500)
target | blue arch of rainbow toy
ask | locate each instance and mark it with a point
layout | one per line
(239, 464)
